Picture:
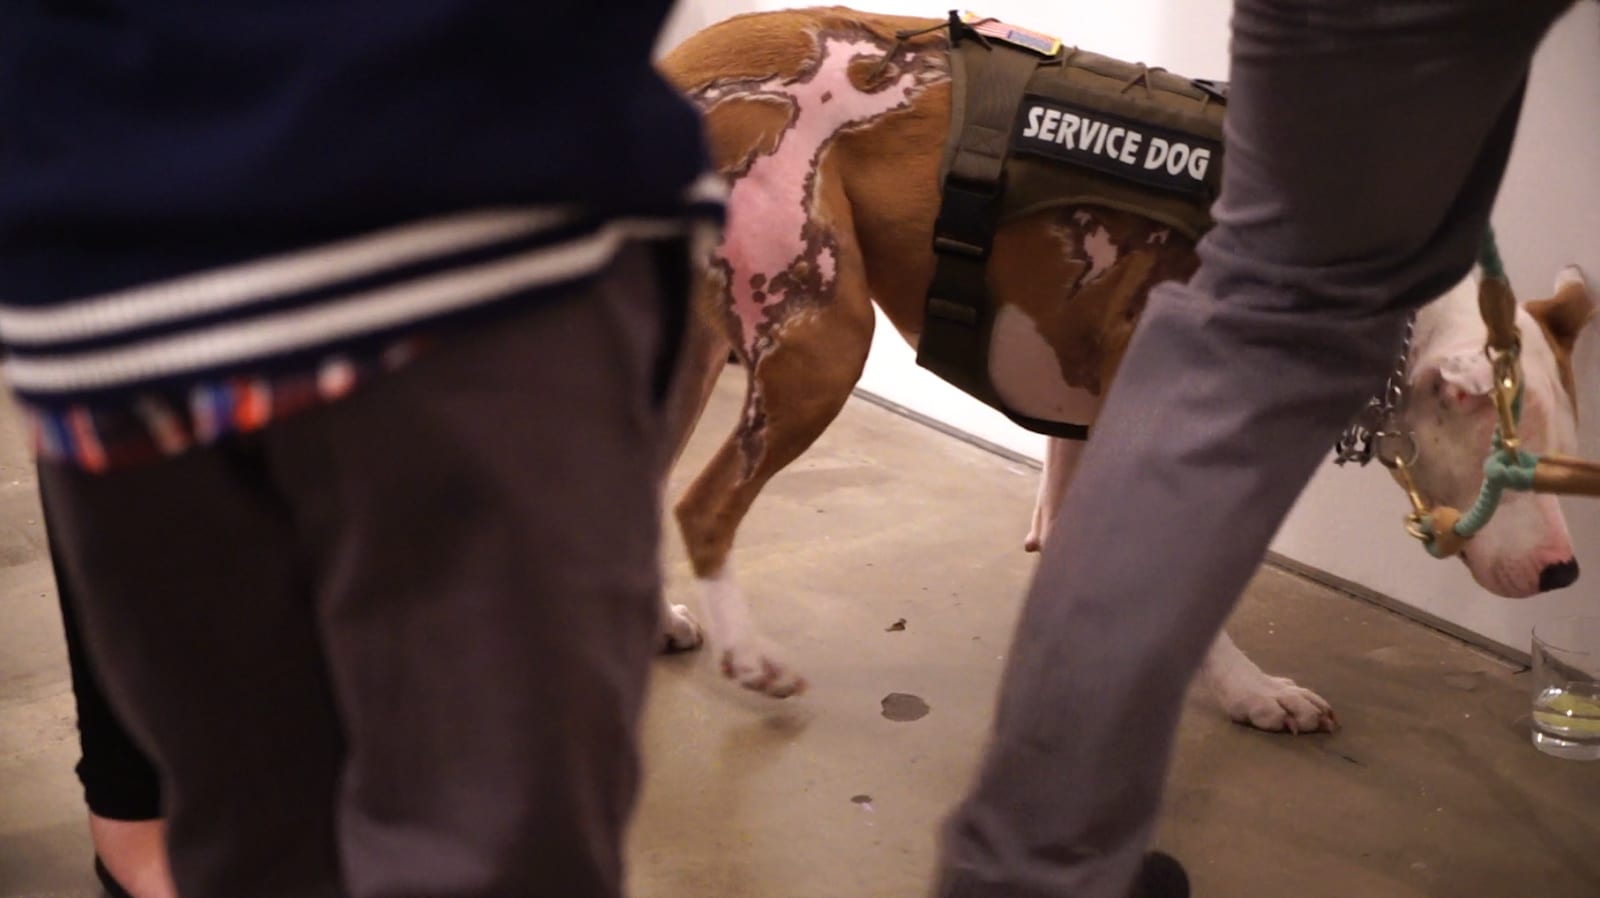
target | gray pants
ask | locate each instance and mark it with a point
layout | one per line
(398, 646)
(1366, 141)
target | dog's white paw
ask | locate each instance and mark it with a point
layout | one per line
(755, 665)
(1278, 704)
(680, 632)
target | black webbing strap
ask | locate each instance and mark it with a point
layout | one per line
(990, 79)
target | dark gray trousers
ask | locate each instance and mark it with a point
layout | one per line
(398, 646)
(1366, 141)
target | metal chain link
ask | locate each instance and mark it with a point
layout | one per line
(1359, 442)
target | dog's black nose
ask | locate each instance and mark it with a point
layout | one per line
(1558, 576)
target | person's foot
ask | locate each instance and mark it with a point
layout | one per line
(1161, 876)
(131, 856)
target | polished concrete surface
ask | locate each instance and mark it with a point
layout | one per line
(1431, 789)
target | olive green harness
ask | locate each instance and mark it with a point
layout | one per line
(1033, 129)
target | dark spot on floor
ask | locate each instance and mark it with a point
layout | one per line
(901, 707)
(1348, 758)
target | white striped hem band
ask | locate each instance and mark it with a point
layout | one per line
(274, 334)
(240, 286)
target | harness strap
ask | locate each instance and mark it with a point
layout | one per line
(1496, 302)
(1499, 308)
(958, 315)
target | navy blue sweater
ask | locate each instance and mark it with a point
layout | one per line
(175, 170)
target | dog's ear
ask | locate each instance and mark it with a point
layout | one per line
(1564, 315)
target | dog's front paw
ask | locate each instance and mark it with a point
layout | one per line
(679, 630)
(1278, 704)
(753, 664)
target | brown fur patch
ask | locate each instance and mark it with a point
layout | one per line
(1041, 265)
(768, 44)
(1562, 318)
(743, 129)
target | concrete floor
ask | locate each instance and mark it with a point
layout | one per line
(1430, 790)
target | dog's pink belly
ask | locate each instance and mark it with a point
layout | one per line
(1027, 374)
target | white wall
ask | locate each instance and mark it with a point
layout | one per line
(689, 16)
(1348, 522)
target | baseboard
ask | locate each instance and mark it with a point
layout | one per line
(1508, 654)
(1010, 455)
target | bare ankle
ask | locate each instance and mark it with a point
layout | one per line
(134, 853)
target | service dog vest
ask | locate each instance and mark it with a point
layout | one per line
(1034, 125)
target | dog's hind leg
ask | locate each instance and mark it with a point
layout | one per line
(704, 356)
(809, 356)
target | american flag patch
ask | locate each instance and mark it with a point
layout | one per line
(1036, 41)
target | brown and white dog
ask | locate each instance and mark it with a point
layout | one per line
(833, 156)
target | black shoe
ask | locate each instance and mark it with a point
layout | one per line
(109, 882)
(1161, 876)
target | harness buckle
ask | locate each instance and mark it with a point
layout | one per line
(943, 244)
(1395, 449)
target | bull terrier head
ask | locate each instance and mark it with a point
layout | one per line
(1525, 549)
